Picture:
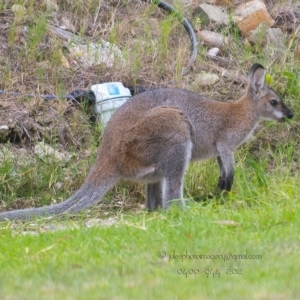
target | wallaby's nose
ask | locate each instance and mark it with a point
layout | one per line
(289, 114)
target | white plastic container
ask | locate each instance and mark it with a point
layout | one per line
(109, 97)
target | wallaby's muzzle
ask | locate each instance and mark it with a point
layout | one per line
(289, 114)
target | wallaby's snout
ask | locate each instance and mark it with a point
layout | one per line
(288, 113)
(278, 111)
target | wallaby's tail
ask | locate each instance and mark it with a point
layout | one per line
(85, 197)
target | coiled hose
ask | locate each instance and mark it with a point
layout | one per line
(186, 24)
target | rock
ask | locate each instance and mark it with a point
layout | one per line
(206, 79)
(51, 5)
(95, 54)
(58, 185)
(2, 205)
(213, 52)
(63, 33)
(64, 62)
(4, 132)
(250, 15)
(213, 55)
(272, 40)
(257, 36)
(91, 54)
(235, 76)
(275, 46)
(263, 35)
(66, 24)
(19, 11)
(46, 152)
(212, 15)
(212, 38)
(275, 38)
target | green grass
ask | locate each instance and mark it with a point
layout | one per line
(203, 244)
(122, 261)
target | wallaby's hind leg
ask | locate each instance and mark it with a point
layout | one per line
(170, 187)
(226, 163)
(154, 195)
(172, 191)
(221, 183)
(175, 168)
(158, 152)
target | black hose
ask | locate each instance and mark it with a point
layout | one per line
(77, 96)
(186, 24)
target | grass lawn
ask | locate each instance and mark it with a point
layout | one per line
(246, 247)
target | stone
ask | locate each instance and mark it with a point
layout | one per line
(268, 38)
(276, 38)
(275, 46)
(258, 35)
(213, 51)
(270, 41)
(19, 11)
(4, 132)
(212, 38)
(66, 24)
(51, 5)
(235, 76)
(206, 79)
(250, 15)
(46, 153)
(212, 15)
(96, 53)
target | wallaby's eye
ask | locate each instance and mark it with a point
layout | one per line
(273, 102)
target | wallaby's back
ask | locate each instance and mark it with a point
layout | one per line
(209, 120)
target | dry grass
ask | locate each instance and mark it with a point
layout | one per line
(31, 54)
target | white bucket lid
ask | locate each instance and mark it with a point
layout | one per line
(110, 90)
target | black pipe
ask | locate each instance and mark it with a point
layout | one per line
(77, 96)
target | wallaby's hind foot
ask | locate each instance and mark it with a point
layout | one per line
(154, 195)
(162, 194)
(226, 172)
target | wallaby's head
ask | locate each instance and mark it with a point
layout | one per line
(270, 106)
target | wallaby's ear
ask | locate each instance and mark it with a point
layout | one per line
(257, 77)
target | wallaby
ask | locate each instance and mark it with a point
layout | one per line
(155, 135)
